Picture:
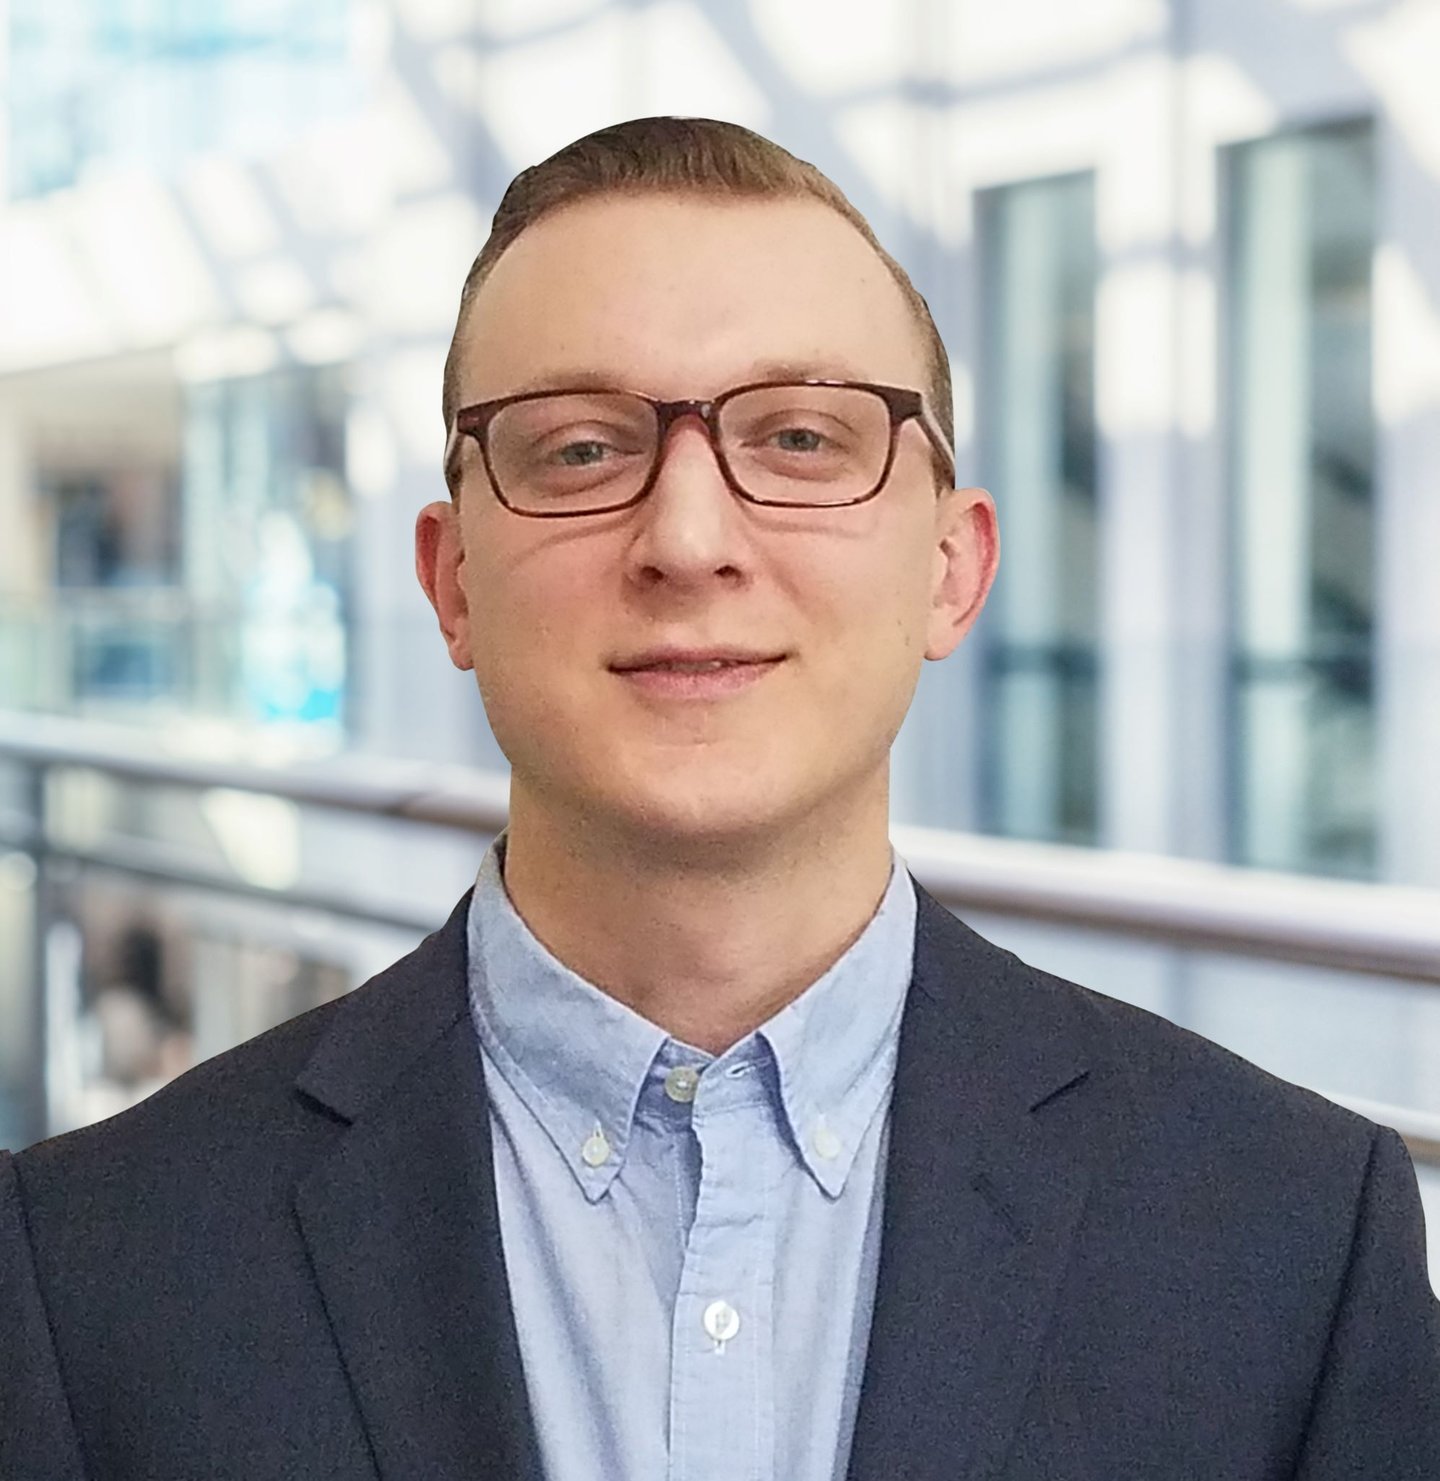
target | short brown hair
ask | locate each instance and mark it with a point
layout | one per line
(681, 156)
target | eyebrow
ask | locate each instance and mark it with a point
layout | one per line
(809, 370)
(589, 379)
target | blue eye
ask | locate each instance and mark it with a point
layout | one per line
(799, 440)
(582, 454)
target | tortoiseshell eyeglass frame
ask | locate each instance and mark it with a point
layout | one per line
(902, 403)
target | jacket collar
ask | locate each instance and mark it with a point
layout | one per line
(997, 1115)
(402, 1229)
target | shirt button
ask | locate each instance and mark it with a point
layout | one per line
(721, 1321)
(827, 1143)
(681, 1084)
(596, 1150)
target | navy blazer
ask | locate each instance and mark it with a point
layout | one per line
(1110, 1250)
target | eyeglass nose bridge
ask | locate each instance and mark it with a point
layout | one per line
(667, 413)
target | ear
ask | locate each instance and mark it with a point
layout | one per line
(967, 556)
(439, 556)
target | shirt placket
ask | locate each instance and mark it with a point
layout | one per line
(722, 1349)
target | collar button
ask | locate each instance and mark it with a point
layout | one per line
(681, 1084)
(826, 1142)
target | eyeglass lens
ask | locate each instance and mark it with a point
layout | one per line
(790, 444)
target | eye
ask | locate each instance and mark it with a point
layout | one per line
(582, 454)
(800, 437)
(798, 440)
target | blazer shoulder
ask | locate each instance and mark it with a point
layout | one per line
(1190, 1089)
(252, 1099)
(1174, 1095)
(248, 1087)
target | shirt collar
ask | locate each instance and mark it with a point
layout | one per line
(835, 1046)
(579, 1059)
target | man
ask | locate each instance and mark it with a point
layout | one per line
(701, 1141)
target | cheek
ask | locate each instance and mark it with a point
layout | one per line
(869, 652)
(892, 637)
(530, 637)
(891, 612)
(507, 595)
(499, 628)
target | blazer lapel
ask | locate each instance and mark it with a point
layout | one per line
(401, 1224)
(994, 1123)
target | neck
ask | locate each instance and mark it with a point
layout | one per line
(706, 938)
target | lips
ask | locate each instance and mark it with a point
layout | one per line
(673, 681)
(679, 660)
(709, 666)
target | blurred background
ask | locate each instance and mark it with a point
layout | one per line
(1186, 258)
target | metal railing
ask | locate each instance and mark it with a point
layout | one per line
(1385, 930)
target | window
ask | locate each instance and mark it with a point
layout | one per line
(268, 523)
(1037, 452)
(116, 531)
(149, 82)
(1301, 471)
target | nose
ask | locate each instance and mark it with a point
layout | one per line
(689, 522)
(687, 458)
(689, 426)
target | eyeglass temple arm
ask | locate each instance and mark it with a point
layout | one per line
(449, 464)
(937, 436)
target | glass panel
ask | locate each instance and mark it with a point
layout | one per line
(187, 549)
(1037, 447)
(137, 978)
(382, 868)
(1302, 475)
(143, 983)
(267, 542)
(149, 82)
(21, 1115)
(116, 551)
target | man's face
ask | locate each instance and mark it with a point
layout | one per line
(684, 297)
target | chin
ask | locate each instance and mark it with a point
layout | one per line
(742, 811)
(687, 806)
(697, 816)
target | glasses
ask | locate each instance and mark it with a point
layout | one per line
(807, 444)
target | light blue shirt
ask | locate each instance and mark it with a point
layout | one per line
(692, 1241)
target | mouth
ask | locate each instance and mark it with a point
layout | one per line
(709, 679)
(691, 665)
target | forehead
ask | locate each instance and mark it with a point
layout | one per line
(679, 295)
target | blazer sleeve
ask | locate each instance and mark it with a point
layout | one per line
(1376, 1411)
(37, 1435)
